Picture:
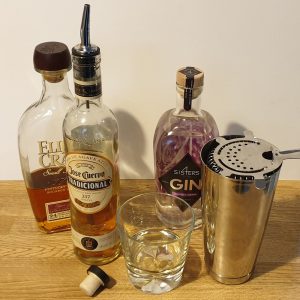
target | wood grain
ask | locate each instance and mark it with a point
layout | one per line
(35, 265)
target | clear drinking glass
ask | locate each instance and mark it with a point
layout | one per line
(155, 231)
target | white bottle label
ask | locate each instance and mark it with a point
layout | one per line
(95, 243)
(89, 181)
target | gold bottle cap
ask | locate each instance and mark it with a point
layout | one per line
(189, 77)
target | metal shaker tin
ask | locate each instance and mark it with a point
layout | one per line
(239, 178)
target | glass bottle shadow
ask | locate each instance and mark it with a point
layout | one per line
(192, 267)
(234, 128)
(110, 285)
(132, 147)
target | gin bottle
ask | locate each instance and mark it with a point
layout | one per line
(40, 140)
(179, 137)
(91, 142)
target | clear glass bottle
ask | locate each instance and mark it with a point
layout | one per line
(179, 137)
(91, 141)
(40, 140)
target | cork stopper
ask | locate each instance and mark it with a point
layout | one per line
(189, 77)
(189, 81)
(96, 278)
(51, 56)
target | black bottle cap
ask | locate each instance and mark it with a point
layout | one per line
(51, 56)
(100, 273)
(96, 278)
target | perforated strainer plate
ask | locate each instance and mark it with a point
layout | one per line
(245, 157)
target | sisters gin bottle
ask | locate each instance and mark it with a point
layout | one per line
(91, 141)
(40, 139)
(179, 137)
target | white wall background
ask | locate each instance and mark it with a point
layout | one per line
(248, 49)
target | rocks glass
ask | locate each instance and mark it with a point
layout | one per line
(155, 231)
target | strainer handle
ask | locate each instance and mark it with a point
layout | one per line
(290, 154)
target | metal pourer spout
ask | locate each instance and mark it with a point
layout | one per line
(85, 27)
(86, 62)
(86, 48)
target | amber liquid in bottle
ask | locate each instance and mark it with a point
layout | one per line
(89, 230)
(107, 217)
(49, 199)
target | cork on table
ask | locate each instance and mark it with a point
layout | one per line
(35, 265)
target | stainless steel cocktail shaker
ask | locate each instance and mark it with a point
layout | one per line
(239, 177)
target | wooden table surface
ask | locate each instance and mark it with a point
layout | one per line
(35, 265)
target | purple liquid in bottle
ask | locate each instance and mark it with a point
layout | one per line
(179, 137)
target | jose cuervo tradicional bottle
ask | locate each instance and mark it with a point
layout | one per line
(91, 142)
(40, 140)
(179, 137)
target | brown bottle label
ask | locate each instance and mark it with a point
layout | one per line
(183, 180)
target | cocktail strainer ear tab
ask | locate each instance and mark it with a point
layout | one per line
(246, 157)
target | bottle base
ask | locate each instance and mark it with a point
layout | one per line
(228, 280)
(198, 224)
(47, 227)
(198, 217)
(154, 282)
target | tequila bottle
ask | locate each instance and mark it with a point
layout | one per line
(179, 137)
(91, 142)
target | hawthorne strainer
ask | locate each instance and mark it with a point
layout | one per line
(246, 157)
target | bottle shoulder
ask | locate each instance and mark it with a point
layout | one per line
(92, 122)
(174, 132)
(171, 120)
(46, 111)
(94, 114)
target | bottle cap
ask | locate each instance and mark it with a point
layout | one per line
(51, 56)
(96, 278)
(189, 77)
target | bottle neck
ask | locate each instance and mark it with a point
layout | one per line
(87, 102)
(87, 80)
(55, 84)
(188, 102)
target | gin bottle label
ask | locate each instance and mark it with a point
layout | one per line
(183, 180)
(89, 181)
